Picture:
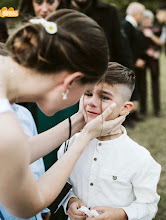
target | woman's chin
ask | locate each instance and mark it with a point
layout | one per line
(48, 112)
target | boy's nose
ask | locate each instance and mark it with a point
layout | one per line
(94, 102)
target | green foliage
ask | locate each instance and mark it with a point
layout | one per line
(9, 3)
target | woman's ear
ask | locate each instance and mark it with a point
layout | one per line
(70, 79)
(128, 106)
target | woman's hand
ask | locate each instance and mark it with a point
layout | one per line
(109, 213)
(101, 127)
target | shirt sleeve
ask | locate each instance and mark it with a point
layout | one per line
(145, 183)
(163, 35)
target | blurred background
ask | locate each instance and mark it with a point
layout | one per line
(151, 132)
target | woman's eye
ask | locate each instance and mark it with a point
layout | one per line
(39, 2)
(88, 94)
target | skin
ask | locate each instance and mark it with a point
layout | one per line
(26, 196)
(42, 8)
(161, 16)
(95, 102)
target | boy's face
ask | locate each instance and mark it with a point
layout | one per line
(101, 97)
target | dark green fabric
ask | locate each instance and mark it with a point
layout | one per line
(44, 123)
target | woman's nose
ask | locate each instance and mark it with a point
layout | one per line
(44, 7)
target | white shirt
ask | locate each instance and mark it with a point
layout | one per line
(118, 173)
(163, 34)
(131, 20)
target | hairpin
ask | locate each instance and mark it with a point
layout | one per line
(49, 26)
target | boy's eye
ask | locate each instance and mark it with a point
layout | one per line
(105, 97)
(39, 2)
(88, 94)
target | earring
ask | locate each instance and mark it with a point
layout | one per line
(64, 94)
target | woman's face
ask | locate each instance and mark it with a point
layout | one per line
(161, 16)
(42, 8)
(147, 22)
(51, 100)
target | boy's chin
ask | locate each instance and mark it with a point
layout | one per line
(90, 119)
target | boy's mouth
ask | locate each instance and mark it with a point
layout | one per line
(92, 113)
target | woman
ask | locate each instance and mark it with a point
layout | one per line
(40, 8)
(52, 63)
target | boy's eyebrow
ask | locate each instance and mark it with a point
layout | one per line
(106, 92)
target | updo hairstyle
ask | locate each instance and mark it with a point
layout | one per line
(79, 45)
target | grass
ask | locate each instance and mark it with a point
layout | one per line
(152, 135)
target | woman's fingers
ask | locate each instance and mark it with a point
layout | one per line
(108, 111)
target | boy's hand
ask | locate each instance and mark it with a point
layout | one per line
(73, 206)
(109, 213)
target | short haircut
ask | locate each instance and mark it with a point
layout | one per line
(148, 14)
(118, 74)
(134, 8)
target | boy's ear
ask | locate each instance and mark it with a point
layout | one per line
(128, 106)
(70, 79)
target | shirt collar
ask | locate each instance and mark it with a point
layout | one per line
(131, 20)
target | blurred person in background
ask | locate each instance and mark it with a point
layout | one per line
(161, 17)
(152, 54)
(40, 8)
(134, 13)
(107, 17)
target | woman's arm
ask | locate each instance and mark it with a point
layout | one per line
(19, 192)
(149, 33)
(46, 142)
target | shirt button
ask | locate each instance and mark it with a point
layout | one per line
(91, 184)
(114, 177)
(95, 159)
(99, 144)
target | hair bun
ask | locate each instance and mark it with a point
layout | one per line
(24, 47)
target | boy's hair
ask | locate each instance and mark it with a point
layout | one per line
(119, 74)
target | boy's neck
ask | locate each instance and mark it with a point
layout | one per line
(118, 132)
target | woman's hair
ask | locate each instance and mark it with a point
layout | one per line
(117, 74)
(26, 10)
(79, 45)
(148, 14)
